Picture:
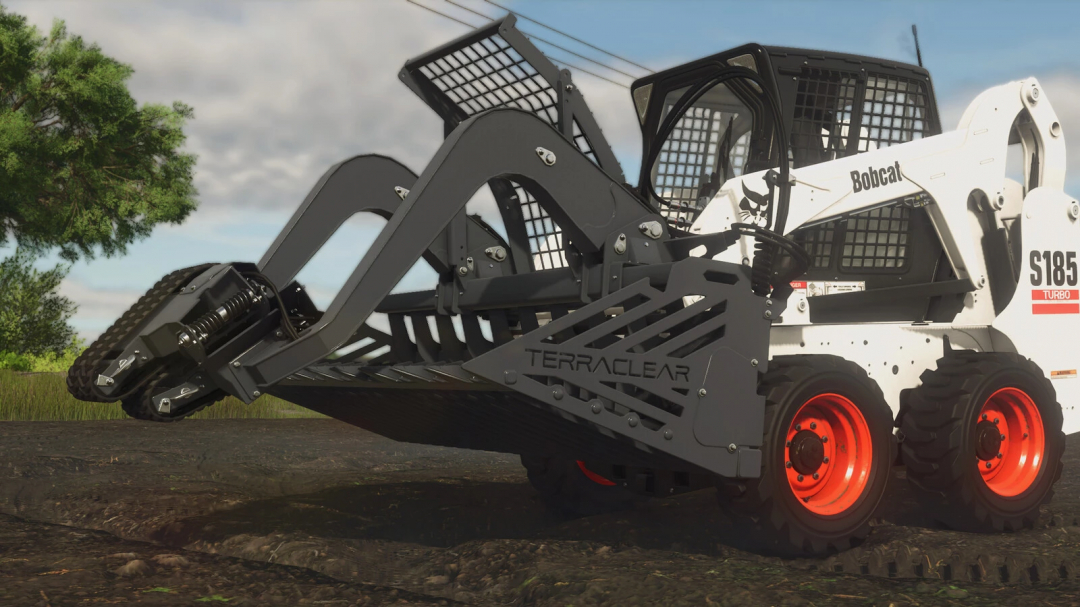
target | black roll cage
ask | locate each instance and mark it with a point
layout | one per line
(718, 75)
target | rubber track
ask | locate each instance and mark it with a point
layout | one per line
(92, 361)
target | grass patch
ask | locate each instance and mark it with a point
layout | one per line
(44, 397)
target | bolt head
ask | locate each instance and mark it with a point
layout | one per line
(800, 478)
(816, 476)
(463, 270)
(768, 313)
(824, 438)
(557, 393)
(236, 363)
(279, 334)
(596, 407)
(987, 464)
(787, 464)
(632, 421)
(813, 425)
(798, 427)
(999, 456)
(256, 393)
(702, 392)
(825, 461)
(1002, 437)
(753, 362)
(668, 434)
(996, 420)
(732, 448)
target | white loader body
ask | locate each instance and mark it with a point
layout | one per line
(957, 170)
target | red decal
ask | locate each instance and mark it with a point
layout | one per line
(1055, 294)
(594, 477)
(798, 284)
(1056, 308)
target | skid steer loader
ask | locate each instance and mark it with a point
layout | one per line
(810, 283)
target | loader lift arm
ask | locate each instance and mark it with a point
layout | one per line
(589, 206)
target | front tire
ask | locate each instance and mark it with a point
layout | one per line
(826, 457)
(983, 440)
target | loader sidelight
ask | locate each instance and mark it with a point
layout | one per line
(787, 273)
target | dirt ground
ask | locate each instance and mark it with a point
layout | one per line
(264, 512)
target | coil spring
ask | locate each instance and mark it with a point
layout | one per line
(209, 323)
(761, 271)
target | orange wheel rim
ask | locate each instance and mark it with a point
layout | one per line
(828, 454)
(1010, 442)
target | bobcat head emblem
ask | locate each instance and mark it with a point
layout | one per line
(753, 206)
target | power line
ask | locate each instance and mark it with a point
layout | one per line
(549, 43)
(562, 33)
(565, 63)
(426, 8)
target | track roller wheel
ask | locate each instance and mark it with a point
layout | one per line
(140, 405)
(983, 440)
(826, 457)
(570, 490)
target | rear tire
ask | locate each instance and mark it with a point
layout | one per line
(570, 490)
(814, 496)
(948, 444)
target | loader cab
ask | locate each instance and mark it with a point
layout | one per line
(714, 119)
(831, 105)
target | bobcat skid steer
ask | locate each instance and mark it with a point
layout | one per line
(810, 284)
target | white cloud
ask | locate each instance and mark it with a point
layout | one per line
(281, 91)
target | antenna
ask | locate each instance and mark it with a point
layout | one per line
(918, 53)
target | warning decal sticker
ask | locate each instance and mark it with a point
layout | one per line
(1055, 301)
(811, 288)
(1065, 374)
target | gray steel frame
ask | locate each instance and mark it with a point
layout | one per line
(582, 198)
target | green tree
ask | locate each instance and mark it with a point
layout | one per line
(33, 316)
(81, 165)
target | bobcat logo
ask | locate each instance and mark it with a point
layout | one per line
(753, 206)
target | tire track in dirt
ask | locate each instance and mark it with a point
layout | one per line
(466, 526)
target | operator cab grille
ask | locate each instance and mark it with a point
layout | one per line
(687, 159)
(888, 110)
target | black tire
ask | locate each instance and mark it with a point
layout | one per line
(767, 515)
(568, 493)
(938, 422)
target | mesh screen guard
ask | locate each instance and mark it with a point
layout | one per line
(498, 67)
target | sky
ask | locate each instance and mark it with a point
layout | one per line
(283, 90)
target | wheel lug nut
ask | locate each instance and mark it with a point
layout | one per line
(788, 444)
(984, 416)
(813, 425)
(987, 464)
(1002, 437)
(824, 438)
(1025, 435)
(800, 478)
(787, 464)
(825, 461)
(798, 427)
(999, 456)
(996, 420)
(815, 476)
